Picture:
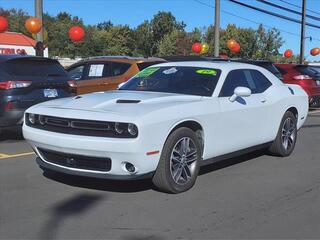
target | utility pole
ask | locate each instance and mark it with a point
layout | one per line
(216, 28)
(39, 36)
(303, 25)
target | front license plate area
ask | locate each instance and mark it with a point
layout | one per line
(50, 93)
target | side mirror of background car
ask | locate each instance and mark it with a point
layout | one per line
(240, 92)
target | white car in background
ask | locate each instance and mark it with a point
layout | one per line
(166, 122)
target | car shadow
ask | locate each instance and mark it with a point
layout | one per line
(130, 186)
(121, 186)
(14, 133)
(230, 162)
(58, 213)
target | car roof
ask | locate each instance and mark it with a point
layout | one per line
(223, 65)
(122, 59)
(6, 57)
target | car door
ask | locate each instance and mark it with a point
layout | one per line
(94, 76)
(241, 122)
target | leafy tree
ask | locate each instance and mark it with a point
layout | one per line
(143, 39)
(162, 35)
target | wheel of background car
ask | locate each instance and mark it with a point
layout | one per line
(286, 138)
(179, 163)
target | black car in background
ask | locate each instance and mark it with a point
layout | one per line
(262, 63)
(27, 80)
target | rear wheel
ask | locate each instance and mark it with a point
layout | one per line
(286, 138)
(179, 162)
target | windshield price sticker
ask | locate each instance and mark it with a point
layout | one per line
(207, 72)
(147, 72)
(170, 71)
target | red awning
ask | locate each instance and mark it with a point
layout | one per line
(17, 39)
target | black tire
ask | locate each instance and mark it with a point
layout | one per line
(278, 148)
(163, 178)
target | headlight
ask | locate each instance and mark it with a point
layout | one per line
(119, 128)
(41, 120)
(132, 129)
(32, 118)
(125, 129)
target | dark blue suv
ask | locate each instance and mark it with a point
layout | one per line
(28, 80)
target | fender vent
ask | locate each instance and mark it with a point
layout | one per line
(127, 101)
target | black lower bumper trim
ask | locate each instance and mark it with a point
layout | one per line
(46, 166)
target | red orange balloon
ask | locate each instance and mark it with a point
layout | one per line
(231, 43)
(315, 51)
(3, 24)
(197, 47)
(288, 53)
(76, 33)
(33, 25)
(235, 49)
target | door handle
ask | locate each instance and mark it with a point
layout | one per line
(263, 100)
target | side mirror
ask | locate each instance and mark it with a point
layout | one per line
(240, 92)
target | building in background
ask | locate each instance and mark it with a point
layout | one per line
(18, 43)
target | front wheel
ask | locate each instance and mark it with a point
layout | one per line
(179, 162)
(286, 138)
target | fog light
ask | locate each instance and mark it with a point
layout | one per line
(32, 118)
(130, 168)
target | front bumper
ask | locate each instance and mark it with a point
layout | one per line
(75, 172)
(120, 151)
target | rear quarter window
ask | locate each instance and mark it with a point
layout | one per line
(119, 68)
(307, 70)
(33, 67)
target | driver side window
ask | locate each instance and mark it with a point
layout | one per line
(235, 78)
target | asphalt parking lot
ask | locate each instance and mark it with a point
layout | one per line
(252, 196)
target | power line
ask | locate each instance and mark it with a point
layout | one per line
(287, 9)
(297, 6)
(252, 21)
(273, 14)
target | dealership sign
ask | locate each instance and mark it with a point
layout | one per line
(20, 51)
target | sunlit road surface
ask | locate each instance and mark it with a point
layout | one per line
(252, 196)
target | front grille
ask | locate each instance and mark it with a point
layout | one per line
(78, 127)
(76, 161)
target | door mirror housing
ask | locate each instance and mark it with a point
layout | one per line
(240, 92)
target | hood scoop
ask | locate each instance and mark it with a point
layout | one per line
(127, 101)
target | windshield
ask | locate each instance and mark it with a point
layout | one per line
(174, 79)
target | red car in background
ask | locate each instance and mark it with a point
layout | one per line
(307, 76)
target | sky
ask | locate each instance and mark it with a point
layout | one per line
(195, 13)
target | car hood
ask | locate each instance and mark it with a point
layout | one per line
(122, 102)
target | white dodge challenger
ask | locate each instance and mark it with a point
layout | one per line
(166, 122)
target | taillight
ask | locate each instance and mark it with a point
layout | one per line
(302, 77)
(72, 83)
(14, 84)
